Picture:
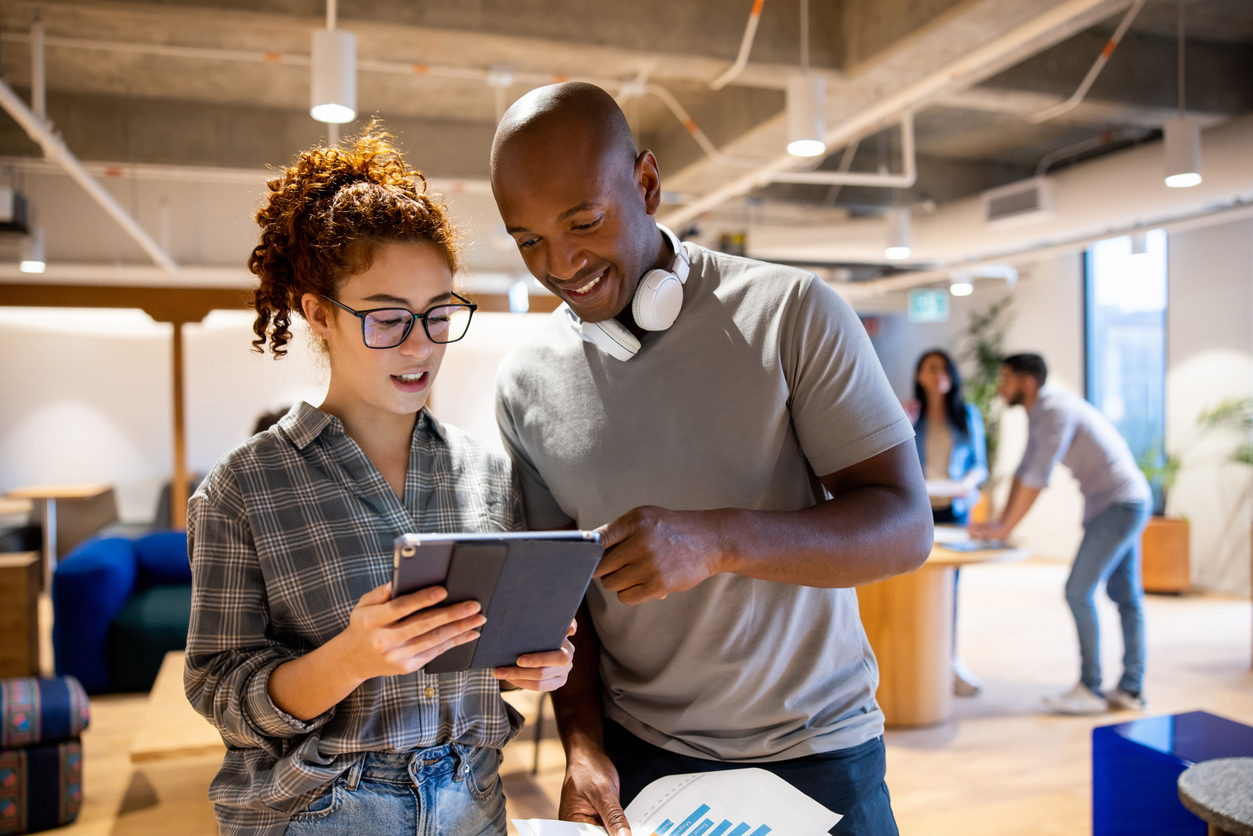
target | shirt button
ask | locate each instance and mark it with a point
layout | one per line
(429, 692)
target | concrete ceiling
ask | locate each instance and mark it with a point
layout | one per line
(225, 83)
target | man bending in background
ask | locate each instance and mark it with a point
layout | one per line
(1065, 428)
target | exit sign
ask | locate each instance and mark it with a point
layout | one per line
(929, 305)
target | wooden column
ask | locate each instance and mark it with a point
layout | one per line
(178, 490)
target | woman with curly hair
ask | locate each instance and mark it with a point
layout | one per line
(297, 651)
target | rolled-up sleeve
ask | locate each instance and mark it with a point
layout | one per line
(230, 654)
(1049, 433)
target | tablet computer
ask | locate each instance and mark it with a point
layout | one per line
(528, 583)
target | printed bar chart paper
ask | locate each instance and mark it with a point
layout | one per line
(746, 802)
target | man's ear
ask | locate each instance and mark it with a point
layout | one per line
(317, 315)
(648, 181)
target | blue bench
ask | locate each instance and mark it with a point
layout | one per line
(1136, 767)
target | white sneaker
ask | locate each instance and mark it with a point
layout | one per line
(1078, 700)
(1120, 700)
(965, 683)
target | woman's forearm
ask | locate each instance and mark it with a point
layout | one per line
(313, 684)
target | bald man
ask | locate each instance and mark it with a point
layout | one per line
(723, 622)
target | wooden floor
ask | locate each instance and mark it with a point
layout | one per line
(1000, 767)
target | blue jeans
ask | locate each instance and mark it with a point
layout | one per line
(1110, 552)
(449, 790)
(847, 781)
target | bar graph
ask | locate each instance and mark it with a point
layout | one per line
(697, 824)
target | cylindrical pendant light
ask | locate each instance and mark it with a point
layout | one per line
(1182, 140)
(899, 233)
(1183, 153)
(33, 259)
(806, 103)
(334, 76)
(806, 115)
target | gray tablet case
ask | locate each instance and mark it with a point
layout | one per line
(529, 584)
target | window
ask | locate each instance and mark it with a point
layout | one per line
(1126, 334)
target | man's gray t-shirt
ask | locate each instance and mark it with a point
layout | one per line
(765, 382)
(1066, 428)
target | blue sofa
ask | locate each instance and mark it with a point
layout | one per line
(119, 606)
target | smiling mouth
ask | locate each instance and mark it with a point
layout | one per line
(587, 288)
(410, 378)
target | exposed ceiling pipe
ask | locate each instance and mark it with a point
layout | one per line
(904, 180)
(746, 46)
(1113, 195)
(55, 149)
(959, 73)
(247, 56)
(1101, 60)
(705, 143)
(1047, 161)
(255, 177)
(38, 79)
(996, 268)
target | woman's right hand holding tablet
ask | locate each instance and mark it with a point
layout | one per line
(387, 636)
(384, 637)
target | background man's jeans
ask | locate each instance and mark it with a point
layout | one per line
(1110, 552)
(848, 781)
(448, 790)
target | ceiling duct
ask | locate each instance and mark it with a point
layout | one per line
(1018, 203)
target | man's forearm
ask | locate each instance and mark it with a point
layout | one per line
(1021, 498)
(877, 525)
(830, 545)
(576, 704)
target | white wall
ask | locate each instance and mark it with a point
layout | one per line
(1210, 350)
(87, 394)
(87, 397)
(464, 392)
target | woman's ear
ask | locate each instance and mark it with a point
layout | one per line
(317, 315)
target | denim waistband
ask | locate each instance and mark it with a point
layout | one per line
(412, 767)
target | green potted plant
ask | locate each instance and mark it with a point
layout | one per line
(984, 350)
(1166, 550)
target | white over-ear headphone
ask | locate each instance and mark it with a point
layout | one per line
(658, 300)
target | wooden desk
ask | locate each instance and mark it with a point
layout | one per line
(69, 515)
(19, 614)
(172, 728)
(909, 622)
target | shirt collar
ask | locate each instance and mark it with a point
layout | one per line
(1045, 392)
(303, 423)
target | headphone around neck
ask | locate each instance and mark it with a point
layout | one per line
(656, 305)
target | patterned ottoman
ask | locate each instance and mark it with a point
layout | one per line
(41, 758)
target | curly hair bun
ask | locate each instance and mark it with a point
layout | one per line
(324, 219)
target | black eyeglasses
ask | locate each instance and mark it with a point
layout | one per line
(389, 327)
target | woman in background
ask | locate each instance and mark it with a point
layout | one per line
(949, 435)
